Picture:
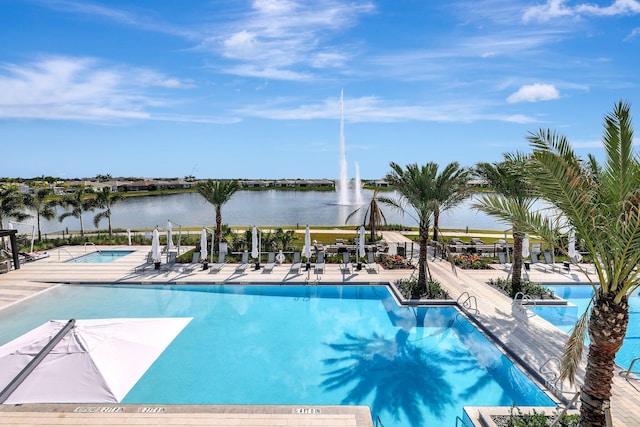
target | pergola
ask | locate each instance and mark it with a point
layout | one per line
(14, 245)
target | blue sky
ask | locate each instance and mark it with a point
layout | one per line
(251, 89)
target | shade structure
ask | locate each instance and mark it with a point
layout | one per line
(155, 246)
(525, 247)
(97, 361)
(203, 245)
(361, 251)
(306, 251)
(255, 251)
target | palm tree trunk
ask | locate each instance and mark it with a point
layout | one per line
(81, 225)
(516, 278)
(422, 287)
(607, 328)
(436, 221)
(109, 221)
(219, 224)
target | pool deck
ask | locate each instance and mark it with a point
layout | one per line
(529, 338)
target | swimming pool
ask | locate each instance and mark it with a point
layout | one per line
(309, 345)
(565, 317)
(101, 256)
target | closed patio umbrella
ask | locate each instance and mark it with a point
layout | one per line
(525, 247)
(155, 246)
(169, 235)
(203, 245)
(306, 251)
(255, 246)
(571, 250)
(361, 251)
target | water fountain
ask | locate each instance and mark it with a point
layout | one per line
(357, 187)
(342, 185)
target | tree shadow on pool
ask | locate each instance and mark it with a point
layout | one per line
(401, 376)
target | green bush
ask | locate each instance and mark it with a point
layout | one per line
(539, 419)
(409, 289)
(530, 288)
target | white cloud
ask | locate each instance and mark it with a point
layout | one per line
(533, 93)
(634, 33)
(79, 89)
(558, 8)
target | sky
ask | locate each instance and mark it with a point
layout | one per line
(252, 89)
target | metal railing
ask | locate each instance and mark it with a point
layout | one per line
(630, 371)
(469, 302)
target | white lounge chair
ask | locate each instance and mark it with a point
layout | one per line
(535, 262)
(548, 260)
(345, 265)
(297, 263)
(371, 265)
(319, 263)
(244, 263)
(215, 268)
(149, 261)
(271, 262)
(502, 261)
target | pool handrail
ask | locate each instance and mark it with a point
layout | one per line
(69, 253)
(90, 243)
(630, 370)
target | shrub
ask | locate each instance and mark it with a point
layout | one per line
(471, 261)
(530, 288)
(409, 289)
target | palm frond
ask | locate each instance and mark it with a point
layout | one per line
(574, 348)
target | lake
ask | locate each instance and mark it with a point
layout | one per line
(247, 208)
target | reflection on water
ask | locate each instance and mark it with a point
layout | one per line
(246, 208)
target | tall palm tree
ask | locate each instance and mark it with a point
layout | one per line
(373, 215)
(512, 200)
(105, 200)
(218, 193)
(419, 188)
(450, 190)
(79, 203)
(42, 204)
(601, 202)
(12, 203)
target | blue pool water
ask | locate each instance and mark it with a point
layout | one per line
(579, 296)
(101, 256)
(312, 345)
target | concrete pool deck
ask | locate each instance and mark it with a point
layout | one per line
(530, 338)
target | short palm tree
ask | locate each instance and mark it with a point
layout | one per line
(79, 204)
(418, 187)
(218, 193)
(513, 198)
(42, 204)
(105, 200)
(601, 202)
(12, 203)
(450, 190)
(373, 215)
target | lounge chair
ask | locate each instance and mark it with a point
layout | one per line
(548, 260)
(345, 265)
(33, 256)
(535, 262)
(297, 264)
(271, 262)
(149, 261)
(371, 265)
(195, 262)
(220, 264)
(319, 263)
(502, 260)
(244, 263)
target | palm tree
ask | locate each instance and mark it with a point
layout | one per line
(450, 190)
(105, 199)
(12, 201)
(601, 202)
(42, 204)
(373, 214)
(79, 203)
(218, 193)
(512, 200)
(419, 187)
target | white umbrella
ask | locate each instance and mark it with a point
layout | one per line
(169, 235)
(254, 243)
(571, 250)
(155, 246)
(97, 361)
(203, 245)
(525, 247)
(306, 251)
(361, 252)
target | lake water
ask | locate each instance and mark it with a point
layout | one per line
(246, 208)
